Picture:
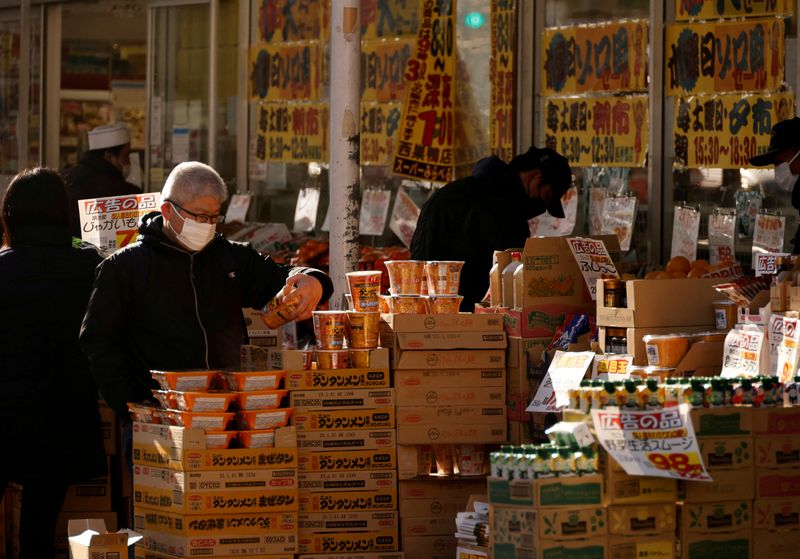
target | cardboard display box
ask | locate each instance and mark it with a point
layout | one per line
(705, 360)
(368, 480)
(651, 547)
(731, 545)
(443, 507)
(89, 539)
(582, 491)
(451, 378)
(341, 399)
(261, 356)
(461, 322)
(257, 543)
(622, 489)
(512, 528)
(276, 500)
(436, 339)
(141, 553)
(726, 453)
(777, 484)
(542, 320)
(428, 526)
(428, 546)
(343, 420)
(636, 520)
(379, 555)
(776, 421)
(62, 533)
(524, 351)
(347, 460)
(721, 516)
(771, 545)
(334, 501)
(338, 542)
(332, 379)
(435, 414)
(492, 430)
(441, 489)
(728, 485)
(780, 514)
(450, 359)
(346, 440)
(781, 451)
(323, 523)
(460, 396)
(722, 422)
(294, 359)
(201, 525)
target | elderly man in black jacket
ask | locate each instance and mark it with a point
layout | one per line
(468, 219)
(174, 299)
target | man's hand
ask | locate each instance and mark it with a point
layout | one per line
(306, 291)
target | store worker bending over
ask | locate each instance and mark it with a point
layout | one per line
(102, 171)
(783, 152)
(174, 298)
(470, 218)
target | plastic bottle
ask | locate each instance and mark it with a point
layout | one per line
(508, 279)
(495, 286)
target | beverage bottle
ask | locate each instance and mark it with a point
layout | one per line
(508, 279)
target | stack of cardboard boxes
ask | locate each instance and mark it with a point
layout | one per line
(348, 474)
(191, 501)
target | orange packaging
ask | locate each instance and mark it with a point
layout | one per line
(195, 401)
(361, 329)
(365, 287)
(385, 304)
(443, 276)
(333, 359)
(407, 304)
(279, 312)
(219, 439)
(260, 399)
(359, 358)
(263, 419)
(444, 304)
(184, 380)
(329, 329)
(257, 438)
(666, 350)
(215, 421)
(405, 276)
(254, 380)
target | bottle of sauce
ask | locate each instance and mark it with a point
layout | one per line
(508, 279)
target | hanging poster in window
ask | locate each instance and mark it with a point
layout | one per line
(546, 225)
(725, 131)
(597, 198)
(379, 125)
(181, 144)
(289, 20)
(383, 65)
(471, 139)
(715, 9)
(502, 78)
(608, 56)
(404, 217)
(721, 231)
(112, 222)
(768, 235)
(685, 229)
(619, 216)
(745, 55)
(292, 132)
(425, 141)
(388, 18)
(285, 72)
(237, 208)
(588, 131)
(374, 207)
(305, 212)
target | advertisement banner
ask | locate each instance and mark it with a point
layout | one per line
(383, 64)
(721, 231)
(405, 214)
(379, 125)
(374, 207)
(715, 9)
(566, 371)
(685, 229)
(425, 142)
(768, 236)
(292, 132)
(744, 55)
(593, 261)
(289, 20)
(589, 131)
(111, 223)
(658, 443)
(725, 131)
(742, 353)
(787, 353)
(609, 56)
(388, 18)
(285, 72)
(502, 78)
(546, 225)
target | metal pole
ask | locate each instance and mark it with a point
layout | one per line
(659, 174)
(213, 33)
(23, 117)
(242, 115)
(344, 143)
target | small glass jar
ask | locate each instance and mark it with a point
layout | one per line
(616, 341)
(614, 294)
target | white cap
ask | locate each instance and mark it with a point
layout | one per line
(109, 136)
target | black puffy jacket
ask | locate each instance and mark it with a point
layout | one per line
(469, 218)
(156, 305)
(48, 400)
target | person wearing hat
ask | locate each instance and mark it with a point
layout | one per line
(783, 151)
(101, 171)
(469, 218)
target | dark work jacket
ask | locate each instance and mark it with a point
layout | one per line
(48, 400)
(156, 305)
(93, 177)
(470, 218)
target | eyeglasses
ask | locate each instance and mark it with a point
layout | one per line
(200, 218)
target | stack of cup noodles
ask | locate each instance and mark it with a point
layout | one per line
(419, 287)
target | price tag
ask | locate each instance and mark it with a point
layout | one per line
(767, 236)
(685, 229)
(612, 367)
(721, 231)
(593, 261)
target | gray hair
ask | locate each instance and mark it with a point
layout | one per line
(191, 180)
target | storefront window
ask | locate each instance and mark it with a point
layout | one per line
(227, 94)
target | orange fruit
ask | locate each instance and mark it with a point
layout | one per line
(677, 274)
(652, 275)
(663, 275)
(679, 264)
(700, 263)
(698, 272)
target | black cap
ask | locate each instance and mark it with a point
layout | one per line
(785, 135)
(555, 172)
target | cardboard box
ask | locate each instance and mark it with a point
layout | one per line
(443, 507)
(347, 460)
(338, 420)
(726, 453)
(201, 525)
(326, 482)
(721, 516)
(733, 545)
(341, 399)
(651, 547)
(372, 378)
(652, 304)
(776, 514)
(471, 552)
(593, 548)
(335, 501)
(524, 351)
(636, 345)
(583, 491)
(570, 523)
(777, 451)
(428, 546)
(513, 528)
(493, 430)
(256, 543)
(346, 440)
(461, 396)
(622, 489)
(450, 359)
(385, 540)
(62, 533)
(451, 378)
(429, 526)
(722, 422)
(261, 356)
(541, 321)
(441, 489)
(108, 422)
(294, 359)
(435, 339)
(323, 523)
(463, 414)
(256, 322)
(728, 485)
(142, 553)
(91, 495)
(380, 555)
(776, 421)
(770, 545)
(530, 432)
(177, 448)
(635, 520)
(777, 484)
(89, 539)
(461, 322)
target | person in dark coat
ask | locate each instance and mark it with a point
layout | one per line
(469, 218)
(783, 152)
(174, 298)
(101, 171)
(51, 434)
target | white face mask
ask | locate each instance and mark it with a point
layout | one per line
(194, 235)
(784, 176)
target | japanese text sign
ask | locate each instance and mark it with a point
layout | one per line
(379, 125)
(725, 56)
(743, 352)
(593, 261)
(502, 78)
(374, 207)
(721, 229)
(725, 131)
(285, 72)
(685, 229)
(388, 18)
(567, 370)
(588, 131)
(111, 223)
(404, 217)
(768, 235)
(788, 348)
(767, 262)
(714, 9)
(290, 20)
(658, 443)
(612, 367)
(383, 64)
(292, 132)
(618, 216)
(609, 56)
